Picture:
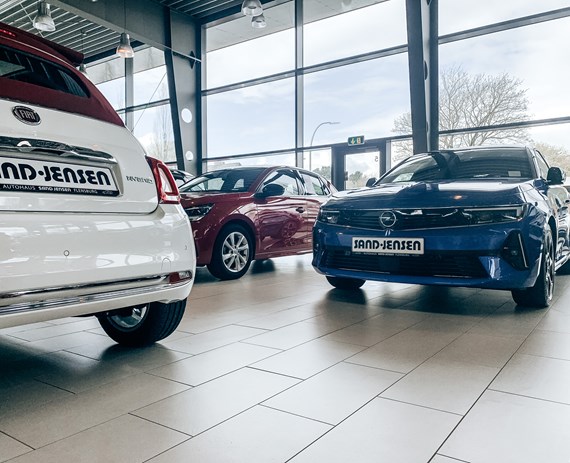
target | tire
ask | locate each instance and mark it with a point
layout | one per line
(346, 283)
(144, 324)
(232, 254)
(540, 295)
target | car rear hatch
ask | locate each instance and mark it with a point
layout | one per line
(62, 146)
(70, 163)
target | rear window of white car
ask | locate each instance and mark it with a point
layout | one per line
(22, 67)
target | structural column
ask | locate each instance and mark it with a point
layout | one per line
(184, 83)
(422, 29)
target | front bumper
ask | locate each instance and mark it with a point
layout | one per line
(456, 256)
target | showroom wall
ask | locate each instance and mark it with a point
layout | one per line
(285, 93)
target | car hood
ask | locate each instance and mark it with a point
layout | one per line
(433, 194)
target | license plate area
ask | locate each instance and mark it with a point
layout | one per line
(30, 175)
(388, 246)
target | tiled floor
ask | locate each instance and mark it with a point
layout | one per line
(279, 367)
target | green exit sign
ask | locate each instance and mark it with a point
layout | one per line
(359, 140)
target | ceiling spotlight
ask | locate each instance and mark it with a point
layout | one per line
(124, 50)
(251, 7)
(43, 20)
(258, 22)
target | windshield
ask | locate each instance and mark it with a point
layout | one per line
(224, 181)
(468, 164)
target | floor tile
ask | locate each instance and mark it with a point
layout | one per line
(209, 340)
(126, 439)
(404, 351)
(281, 318)
(259, 435)
(142, 358)
(62, 418)
(442, 459)
(448, 386)
(69, 377)
(11, 448)
(376, 329)
(65, 341)
(202, 407)
(480, 349)
(555, 320)
(539, 377)
(290, 336)
(28, 395)
(205, 367)
(335, 393)
(308, 359)
(57, 330)
(383, 431)
(509, 322)
(507, 428)
(547, 344)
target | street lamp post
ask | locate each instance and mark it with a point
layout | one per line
(313, 138)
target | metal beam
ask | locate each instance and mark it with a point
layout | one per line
(423, 67)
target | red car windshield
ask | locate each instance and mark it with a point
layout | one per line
(224, 181)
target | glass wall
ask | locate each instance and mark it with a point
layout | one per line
(109, 76)
(237, 52)
(459, 15)
(364, 99)
(335, 30)
(252, 119)
(258, 96)
(151, 119)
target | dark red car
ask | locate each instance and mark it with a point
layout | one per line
(246, 213)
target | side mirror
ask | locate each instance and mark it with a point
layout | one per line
(370, 182)
(556, 176)
(273, 189)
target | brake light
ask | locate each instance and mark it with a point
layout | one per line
(8, 33)
(165, 184)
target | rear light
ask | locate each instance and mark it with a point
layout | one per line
(513, 251)
(165, 184)
(179, 277)
(8, 33)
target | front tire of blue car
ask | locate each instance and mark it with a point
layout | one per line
(346, 283)
(540, 295)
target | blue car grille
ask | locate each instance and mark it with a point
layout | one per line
(455, 265)
(405, 219)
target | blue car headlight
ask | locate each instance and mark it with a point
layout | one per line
(197, 212)
(489, 215)
(328, 216)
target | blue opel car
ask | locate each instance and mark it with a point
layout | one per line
(486, 217)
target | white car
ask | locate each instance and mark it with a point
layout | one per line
(88, 224)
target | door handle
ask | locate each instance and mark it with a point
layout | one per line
(300, 210)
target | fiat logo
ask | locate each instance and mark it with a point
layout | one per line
(388, 219)
(26, 115)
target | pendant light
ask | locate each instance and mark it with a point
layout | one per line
(258, 22)
(124, 50)
(43, 20)
(251, 7)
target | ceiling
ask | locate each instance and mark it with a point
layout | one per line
(90, 38)
(95, 40)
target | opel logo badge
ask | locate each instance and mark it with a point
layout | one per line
(388, 219)
(26, 115)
